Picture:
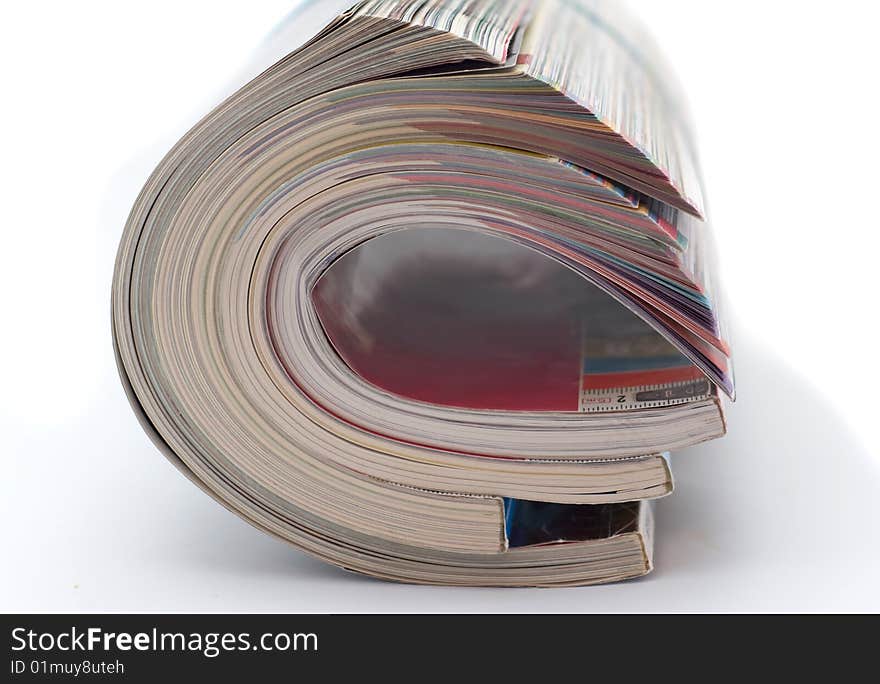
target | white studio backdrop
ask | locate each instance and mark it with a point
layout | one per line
(783, 100)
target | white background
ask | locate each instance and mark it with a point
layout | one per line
(780, 515)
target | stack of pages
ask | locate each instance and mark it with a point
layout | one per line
(432, 296)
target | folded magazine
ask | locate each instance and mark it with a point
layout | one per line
(433, 297)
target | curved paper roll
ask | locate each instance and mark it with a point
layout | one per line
(430, 296)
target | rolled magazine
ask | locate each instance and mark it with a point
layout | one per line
(432, 297)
